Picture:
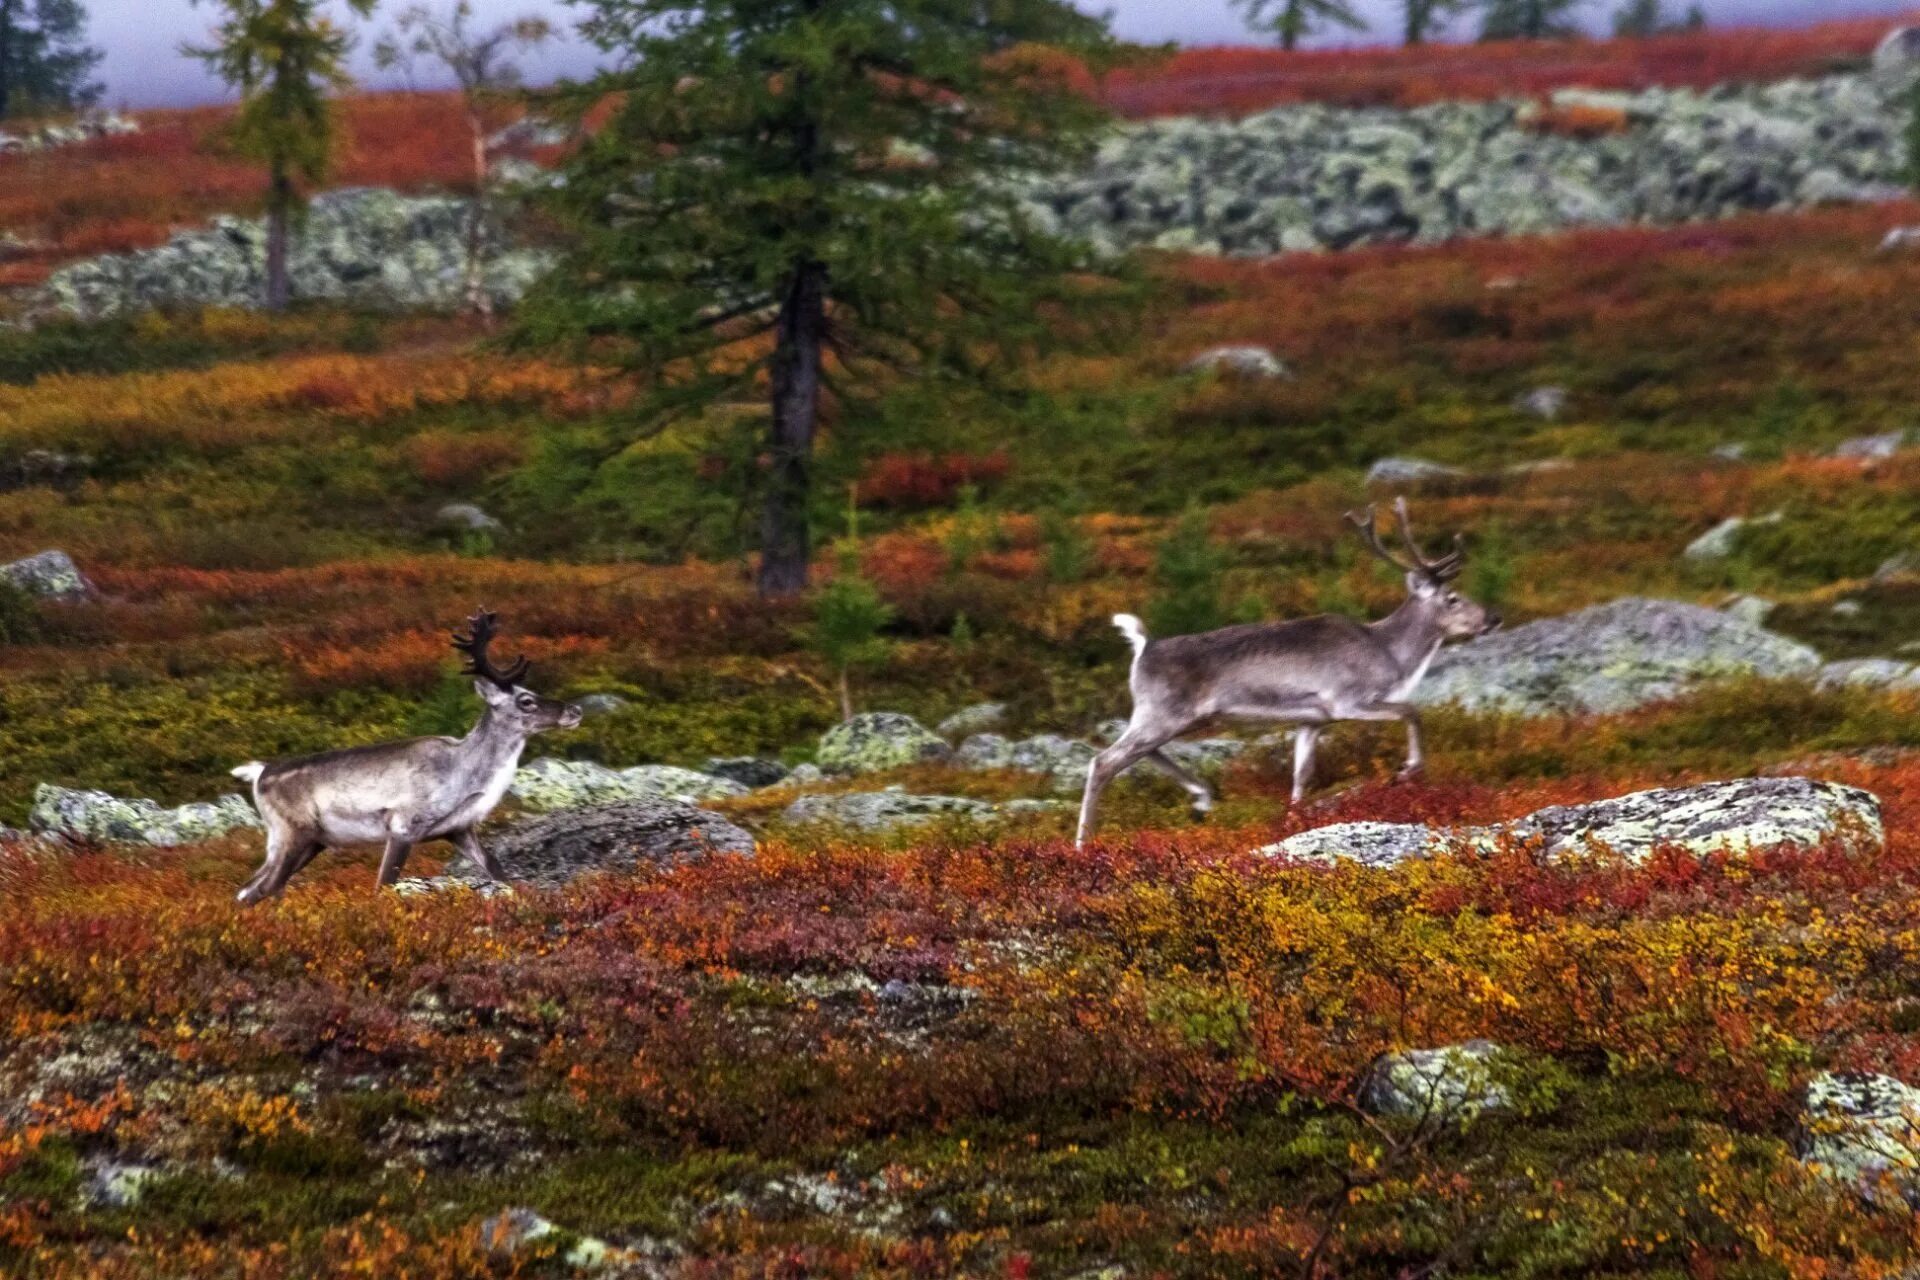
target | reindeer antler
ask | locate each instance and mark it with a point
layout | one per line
(1444, 569)
(481, 629)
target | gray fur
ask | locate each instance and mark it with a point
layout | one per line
(1309, 673)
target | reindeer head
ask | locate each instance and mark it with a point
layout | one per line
(1429, 581)
(505, 696)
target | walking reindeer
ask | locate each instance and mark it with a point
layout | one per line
(402, 793)
(1309, 672)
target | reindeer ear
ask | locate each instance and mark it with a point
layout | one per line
(1419, 584)
(492, 694)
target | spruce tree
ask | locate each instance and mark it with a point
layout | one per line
(1291, 21)
(284, 57)
(803, 200)
(1420, 19)
(1529, 19)
(44, 59)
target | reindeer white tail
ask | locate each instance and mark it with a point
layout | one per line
(1133, 629)
(249, 772)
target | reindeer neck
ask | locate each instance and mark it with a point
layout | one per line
(493, 741)
(1408, 634)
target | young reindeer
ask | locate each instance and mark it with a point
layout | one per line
(403, 792)
(1310, 672)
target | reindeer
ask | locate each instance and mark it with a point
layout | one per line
(404, 792)
(1309, 673)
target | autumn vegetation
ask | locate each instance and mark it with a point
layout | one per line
(1147, 1055)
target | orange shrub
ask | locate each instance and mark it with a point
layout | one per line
(453, 458)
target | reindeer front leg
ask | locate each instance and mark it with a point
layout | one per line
(478, 854)
(1409, 715)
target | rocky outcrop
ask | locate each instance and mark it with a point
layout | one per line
(1453, 1082)
(52, 574)
(878, 740)
(68, 133)
(554, 848)
(1610, 658)
(549, 783)
(1736, 817)
(95, 817)
(1865, 1131)
(1244, 361)
(751, 772)
(363, 245)
(981, 717)
(895, 808)
(1321, 177)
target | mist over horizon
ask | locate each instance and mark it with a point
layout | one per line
(144, 67)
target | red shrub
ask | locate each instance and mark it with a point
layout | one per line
(914, 481)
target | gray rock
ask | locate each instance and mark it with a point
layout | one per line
(116, 1184)
(1897, 57)
(361, 246)
(464, 517)
(95, 817)
(549, 784)
(52, 574)
(981, 717)
(1051, 753)
(1752, 610)
(1876, 448)
(1734, 817)
(1544, 403)
(624, 835)
(1206, 755)
(1900, 238)
(1723, 539)
(878, 740)
(67, 133)
(1902, 564)
(1732, 451)
(600, 704)
(1607, 659)
(1847, 609)
(1864, 1130)
(879, 811)
(1453, 1082)
(33, 467)
(806, 775)
(752, 772)
(1864, 673)
(1388, 472)
(516, 1230)
(985, 751)
(1374, 844)
(1239, 361)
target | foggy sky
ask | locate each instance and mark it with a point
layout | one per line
(143, 65)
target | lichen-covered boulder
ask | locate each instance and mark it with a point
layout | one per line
(1544, 403)
(553, 848)
(1610, 658)
(1865, 1131)
(1896, 59)
(1735, 817)
(1376, 844)
(99, 818)
(1205, 755)
(877, 740)
(549, 783)
(1723, 539)
(117, 1184)
(1866, 673)
(1874, 448)
(985, 751)
(466, 517)
(52, 574)
(1244, 361)
(1413, 472)
(1066, 760)
(520, 1230)
(981, 717)
(751, 772)
(877, 811)
(1453, 1082)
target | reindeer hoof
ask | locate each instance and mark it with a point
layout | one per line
(1411, 773)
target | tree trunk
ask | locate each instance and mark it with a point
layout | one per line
(846, 697)
(6, 56)
(799, 337)
(478, 299)
(279, 210)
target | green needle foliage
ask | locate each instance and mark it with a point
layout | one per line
(1529, 19)
(44, 60)
(802, 201)
(284, 57)
(1291, 21)
(848, 617)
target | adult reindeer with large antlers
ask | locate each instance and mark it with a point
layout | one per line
(1309, 673)
(402, 793)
